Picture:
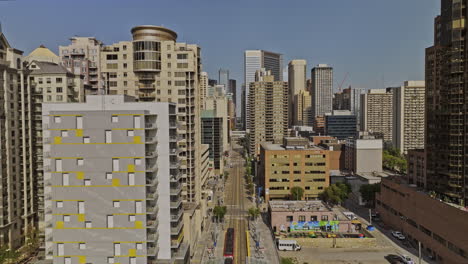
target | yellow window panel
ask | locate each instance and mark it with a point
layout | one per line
(59, 224)
(131, 168)
(81, 218)
(138, 224)
(132, 252)
(115, 182)
(79, 133)
(80, 175)
(57, 140)
(82, 259)
(137, 139)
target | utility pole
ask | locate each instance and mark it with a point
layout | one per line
(370, 216)
(419, 249)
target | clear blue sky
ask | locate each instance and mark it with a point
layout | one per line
(373, 40)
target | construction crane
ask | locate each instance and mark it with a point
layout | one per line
(342, 82)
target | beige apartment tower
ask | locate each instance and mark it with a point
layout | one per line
(268, 100)
(296, 82)
(303, 109)
(18, 195)
(409, 116)
(377, 113)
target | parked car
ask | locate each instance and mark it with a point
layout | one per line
(406, 259)
(398, 234)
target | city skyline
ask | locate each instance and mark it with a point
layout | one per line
(340, 44)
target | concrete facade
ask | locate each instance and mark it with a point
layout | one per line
(283, 167)
(364, 154)
(297, 71)
(377, 113)
(322, 90)
(105, 202)
(440, 227)
(268, 102)
(18, 193)
(302, 109)
(409, 116)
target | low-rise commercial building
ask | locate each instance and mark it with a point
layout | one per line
(294, 163)
(336, 151)
(440, 227)
(364, 154)
(290, 216)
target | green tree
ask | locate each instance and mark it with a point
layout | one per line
(8, 256)
(368, 192)
(392, 159)
(297, 193)
(250, 187)
(219, 212)
(336, 193)
(254, 212)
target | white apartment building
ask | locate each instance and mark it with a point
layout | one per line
(322, 90)
(112, 182)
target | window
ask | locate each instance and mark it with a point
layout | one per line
(82, 246)
(130, 133)
(81, 207)
(39, 80)
(65, 179)
(137, 161)
(64, 133)
(49, 80)
(108, 136)
(131, 179)
(125, 83)
(112, 57)
(110, 221)
(132, 260)
(182, 65)
(115, 165)
(79, 122)
(324, 217)
(80, 162)
(59, 89)
(117, 249)
(66, 218)
(60, 249)
(139, 246)
(124, 47)
(59, 204)
(313, 218)
(86, 140)
(115, 119)
(59, 97)
(125, 74)
(138, 207)
(302, 218)
(88, 224)
(112, 66)
(289, 218)
(169, 65)
(108, 175)
(110, 260)
(125, 56)
(112, 75)
(87, 182)
(68, 260)
(131, 218)
(49, 98)
(182, 56)
(57, 119)
(136, 122)
(116, 204)
(125, 65)
(112, 84)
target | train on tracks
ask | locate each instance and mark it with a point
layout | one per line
(228, 251)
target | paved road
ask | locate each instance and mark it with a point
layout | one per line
(235, 201)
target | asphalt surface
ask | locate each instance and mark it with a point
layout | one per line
(235, 196)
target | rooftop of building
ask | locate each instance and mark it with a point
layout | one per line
(306, 206)
(291, 143)
(44, 67)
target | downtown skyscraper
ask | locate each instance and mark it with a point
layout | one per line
(322, 90)
(255, 60)
(446, 112)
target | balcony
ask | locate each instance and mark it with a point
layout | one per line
(151, 140)
(151, 154)
(172, 124)
(146, 87)
(176, 177)
(150, 126)
(176, 218)
(175, 151)
(152, 209)
(176, 190)
(173, 138)
(152, 237)
(176, 204)
(176, 230)
(152, 167)
(148, 96)
(152, 251)
(151, 224)
(151, 180)
(174, 165)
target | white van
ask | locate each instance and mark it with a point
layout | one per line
(290, 245)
